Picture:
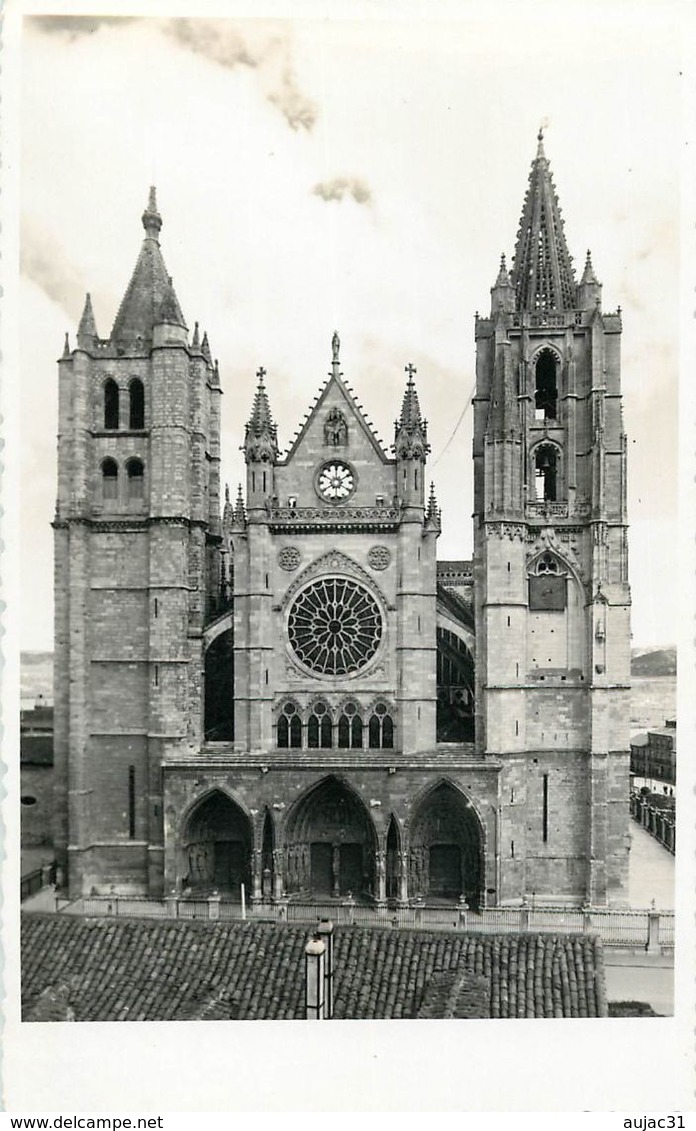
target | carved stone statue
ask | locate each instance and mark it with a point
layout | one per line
(335, 429)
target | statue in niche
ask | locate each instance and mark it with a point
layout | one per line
(335, 429)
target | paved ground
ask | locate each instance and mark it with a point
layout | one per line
(650, 871)
(637, 976)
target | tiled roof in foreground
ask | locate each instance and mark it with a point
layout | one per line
(132, 970)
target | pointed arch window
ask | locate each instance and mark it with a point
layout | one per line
(381, 728)
(136, 480)
(546, 386)
(109, 470)
(319, 728)
(111, 404)
(289, 733)
(350, 728)
(136, 392)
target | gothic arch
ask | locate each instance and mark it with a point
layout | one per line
(217, 840)
(219, 688)
(213, 630)
(330, 842)
(446, 845)
(330, 563)
(546, 463)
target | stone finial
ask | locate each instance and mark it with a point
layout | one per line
(87, 329)
(66, 346)
(152, 221)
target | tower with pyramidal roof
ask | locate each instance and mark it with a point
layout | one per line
(137, 533)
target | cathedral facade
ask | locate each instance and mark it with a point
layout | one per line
(287, 691)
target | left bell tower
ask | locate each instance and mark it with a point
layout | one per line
(137, 537)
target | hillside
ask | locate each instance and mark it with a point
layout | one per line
(36, 668)
(654, 661)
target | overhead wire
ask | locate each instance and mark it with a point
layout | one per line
(467, 405)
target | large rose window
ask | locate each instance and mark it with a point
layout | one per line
(335, 626)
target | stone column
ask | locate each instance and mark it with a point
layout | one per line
(381, 868)
(277, 873)
(403, 878)
(256, 875)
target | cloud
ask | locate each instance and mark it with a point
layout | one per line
(44, 261)
(298, 110)
(75, 26)
(266, 48)
(217, 40)
(340, 187)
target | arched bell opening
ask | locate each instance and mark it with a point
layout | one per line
(219, 689)
(446, 857)
(217, 842)
(331, 844)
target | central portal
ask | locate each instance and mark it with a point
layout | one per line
(331, 844)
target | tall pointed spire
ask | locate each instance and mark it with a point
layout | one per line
(588, 275)
(150, 298)
(410, 407)
(261, 434)
(239, 518)
(87, 330)
(542, 272)
(411, 430)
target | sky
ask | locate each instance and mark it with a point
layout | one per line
(362, 176)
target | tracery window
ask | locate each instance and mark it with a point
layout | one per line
(111, 398)
(319, 728)
(350, 728)
(289, 732)
(137, 404)
(335, 626)
(109, 470)
(381, 728)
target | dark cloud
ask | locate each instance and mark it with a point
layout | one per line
(217, 40)
(265, 47)
(75, 26)
(45, 262)
(340, 187)
(299, 111)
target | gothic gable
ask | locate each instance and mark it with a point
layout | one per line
(336, 457)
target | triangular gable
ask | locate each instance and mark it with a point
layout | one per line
(335, 381)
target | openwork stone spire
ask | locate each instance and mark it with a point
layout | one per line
(411, 430)
(261, 434)
(542, 272)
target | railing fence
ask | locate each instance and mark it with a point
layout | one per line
(651, 928)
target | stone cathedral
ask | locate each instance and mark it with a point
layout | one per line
(287, 690)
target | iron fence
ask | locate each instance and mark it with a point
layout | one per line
(617, 927)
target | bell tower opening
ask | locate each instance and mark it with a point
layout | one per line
(546, 387)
